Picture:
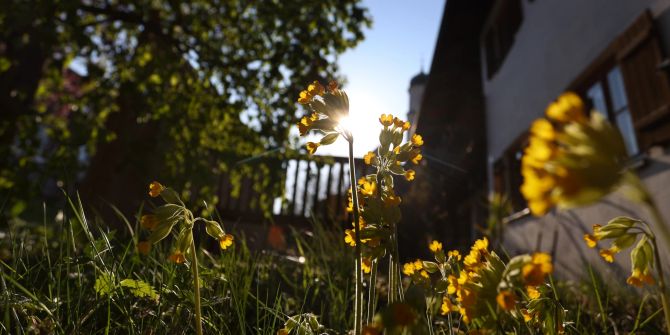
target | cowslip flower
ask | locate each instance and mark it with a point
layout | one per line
(455, 254)
(386, 120)
(572, 159)
(435, 246)
(409, 175)
(447, 306)
(225, 241)
(366, 264)
(369, 157)
(534, 271)
(144, 247)
(506, 300)
(177, 257)
(155, 189)
(149, 221)
(417, 140)
(328, 107)
(640, 277)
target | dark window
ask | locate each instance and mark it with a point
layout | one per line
(607, 95)
(503, 23)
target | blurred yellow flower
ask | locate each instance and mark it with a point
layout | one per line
(608, 254)
(572, 158)
(506, 300)
(386, 120)
(155, 189)
(447, 306)
(591, 241)
(455, 254)
(408, 269)
(392, 200)
(177, 257)
(526, 315)
(534, 271)
(533, 292)
(409, 175)
(366, 264)
(368, 157)
(369, 188)
(226, 241)
(349, 237)
(144, 247)
(417, 140)
(312, 146)
(435, 246)
(315, 88)
(149, 221)
(639, 278)
(417, 158)
(304, 97)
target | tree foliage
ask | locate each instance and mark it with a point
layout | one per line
(122, 90)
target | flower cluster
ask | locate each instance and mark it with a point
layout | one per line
(328, 108)
(624, 232)
(378, 204)
(174, 215)
(572, 158)
(392, 153)
(472, 285)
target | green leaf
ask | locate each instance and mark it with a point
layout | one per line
(104, 284)
(140, 288)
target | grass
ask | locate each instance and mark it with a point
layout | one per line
(50, 268)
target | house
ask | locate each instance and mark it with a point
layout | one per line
(614, 53)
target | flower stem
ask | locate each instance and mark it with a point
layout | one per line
(661, 284)
(196, 288)
(372, 294)
(358, 299)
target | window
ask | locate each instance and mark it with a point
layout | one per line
(608, 96)
(501, 27)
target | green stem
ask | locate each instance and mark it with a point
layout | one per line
(196, 288)
(646, 198)
(358, 299)
(372, 294)
(661, 284)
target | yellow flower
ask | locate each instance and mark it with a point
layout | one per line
(177, 257)
(543, 129)
(304, 97)
(639, 278)
(481, 245)
(144, 247)
(226, 241)
(447, 306)
(591, 240)
(392, 200)
(418, 264)
(312, 146)
(315, 89)
(567, 108)
(534, 271)
(366, 265)
(282, 331)
(369, 188)
(571, 159)
(608, 254)
(453, 284)
(526, 315)
(386, 120)
(398, 123)
(306, 122)
(349, 237)
(417, 140)
(368, 157)
(406, 126)
(455, 254)
(417, 158)
(533, 292)
(155, 189)
(506, 300)
(408, 269)
(435, 246)
(409, 175)
(149, 221)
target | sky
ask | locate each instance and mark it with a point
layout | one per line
(401, 40)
